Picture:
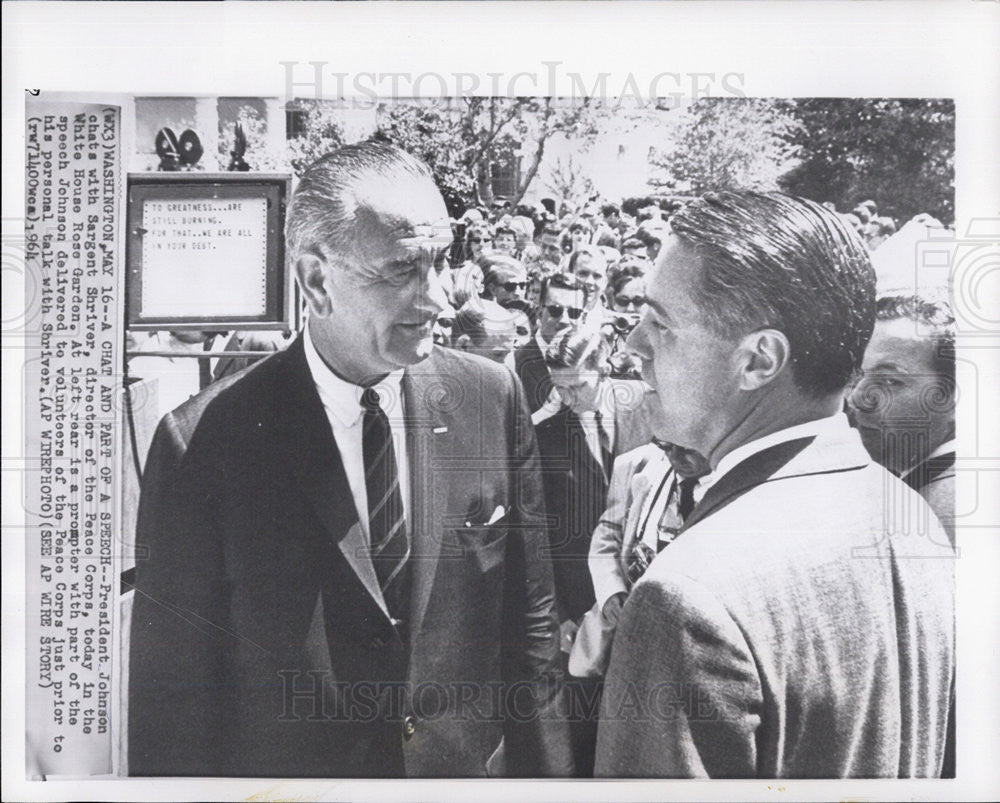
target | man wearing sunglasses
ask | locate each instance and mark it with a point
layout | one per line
(562, 303)
(505, 278)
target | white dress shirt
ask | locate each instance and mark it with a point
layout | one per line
(342, 402)
(835, 424)
(541, 342)
(606, 404)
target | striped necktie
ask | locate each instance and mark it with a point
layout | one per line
(607, 457)
(390, 541)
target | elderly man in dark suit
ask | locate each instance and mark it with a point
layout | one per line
(345, 571)
(792, 628)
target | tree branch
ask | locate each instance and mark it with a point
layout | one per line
(536, 158)
(494, 132)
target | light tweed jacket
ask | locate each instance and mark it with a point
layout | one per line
(803, 629)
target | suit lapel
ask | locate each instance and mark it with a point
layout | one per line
(756, 469)
(529, 364)
(427, 425)
(827, 453)
(315, 462)
(582, 459)
(929, 470)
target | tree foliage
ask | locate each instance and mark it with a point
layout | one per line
(258, 154)
(322, 133)
(728, 143)
(465, 138)
(900, 153)
(570, 183)
(897, 152)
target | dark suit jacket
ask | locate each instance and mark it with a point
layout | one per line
(576, 488)
(260, 643)
(530, 367)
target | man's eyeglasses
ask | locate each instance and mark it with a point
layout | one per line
(510, 287)
(556, 311)
(624, 301)
(475, 241)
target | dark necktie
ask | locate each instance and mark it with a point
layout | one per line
(390, 542)
(642, 554)
(607, 458)
(686, 504)
(205, 365)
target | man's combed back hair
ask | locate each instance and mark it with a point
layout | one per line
(328, 196)
(774, 261)
(497, 266)
(933, 317)
(579, 347)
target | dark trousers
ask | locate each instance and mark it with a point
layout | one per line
(584, 701)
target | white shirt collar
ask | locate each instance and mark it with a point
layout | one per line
(605, 404)
(835, 424)
(343, 398)
(542, 345)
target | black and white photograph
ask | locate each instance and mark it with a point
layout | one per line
(595, 427)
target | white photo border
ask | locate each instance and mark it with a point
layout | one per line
(833, 48)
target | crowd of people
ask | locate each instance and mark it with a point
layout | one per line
(501, 258)
(494, 273)
(650, 520)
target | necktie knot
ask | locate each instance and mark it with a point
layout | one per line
(371, 401)
(686, 503)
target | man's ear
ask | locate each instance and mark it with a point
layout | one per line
(311, 269)
(762, 356)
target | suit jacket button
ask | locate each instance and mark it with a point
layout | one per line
(409, 728)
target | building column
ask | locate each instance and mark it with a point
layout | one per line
(206, 114)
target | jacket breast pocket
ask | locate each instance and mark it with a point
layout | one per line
(485, 547)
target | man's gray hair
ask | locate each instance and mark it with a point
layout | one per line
(324, 208)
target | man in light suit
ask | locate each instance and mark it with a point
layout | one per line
(792, 628)
(650, 496)
(345, 569)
